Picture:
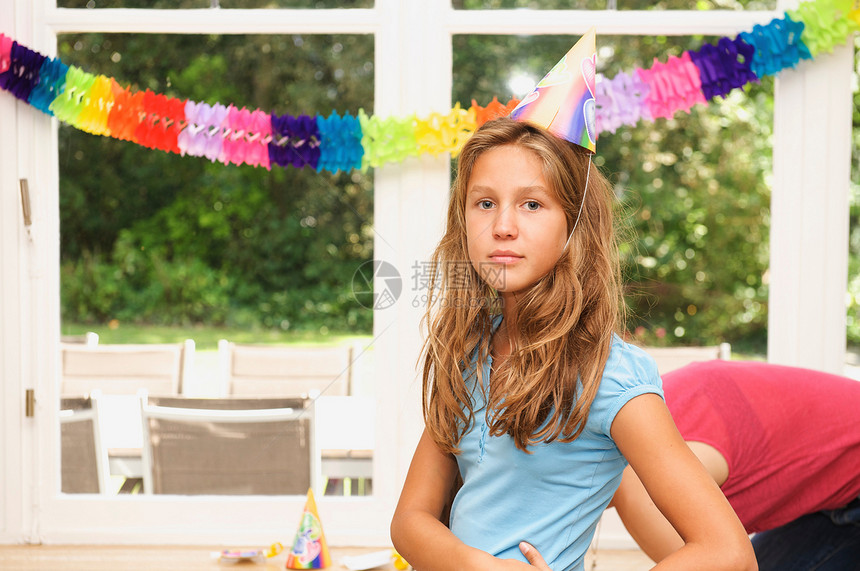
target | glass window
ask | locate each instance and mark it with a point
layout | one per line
(614, 4)
(698, 5)
(157, 248)
(531, 4)
(186, 4)
(853, 295)
(695, 212)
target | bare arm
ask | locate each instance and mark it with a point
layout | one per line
(646, 524)
(416, 531)
(682, 491)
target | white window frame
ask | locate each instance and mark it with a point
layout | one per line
(807, 276)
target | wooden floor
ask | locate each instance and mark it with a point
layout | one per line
(172, 558)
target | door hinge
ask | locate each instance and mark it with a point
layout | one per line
(25, 202)
(30, 403)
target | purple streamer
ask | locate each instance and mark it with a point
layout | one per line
(23, 73)
(215, 132)
(725, 66)
(621, 100)
(203, 136)
(295, 141)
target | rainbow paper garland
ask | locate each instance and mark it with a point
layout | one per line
(101, 106)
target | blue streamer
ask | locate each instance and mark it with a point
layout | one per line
(778, 45)
(52, 81)
(340, 139)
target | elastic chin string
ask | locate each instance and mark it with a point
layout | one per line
(581, 204)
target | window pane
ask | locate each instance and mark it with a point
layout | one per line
(695, 210)
(531, 4)
(853, 295)
(614, 4)
(158, 248)
(186, 4)
(698, 5)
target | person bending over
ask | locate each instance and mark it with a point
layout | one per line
(783, 444)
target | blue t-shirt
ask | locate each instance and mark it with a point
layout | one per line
(553, 497)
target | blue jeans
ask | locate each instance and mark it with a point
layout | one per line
(822, 541)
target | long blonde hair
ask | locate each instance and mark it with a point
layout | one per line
(565, 321)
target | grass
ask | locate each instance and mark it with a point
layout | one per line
(206, 337)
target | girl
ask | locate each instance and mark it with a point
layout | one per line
(539, 406)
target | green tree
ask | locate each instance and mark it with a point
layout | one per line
(189, 241)
(853, 297)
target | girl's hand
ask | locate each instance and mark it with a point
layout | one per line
(535, 561)
(533, 556)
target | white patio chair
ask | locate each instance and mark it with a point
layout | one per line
(119, 369)
(88, 338)
(236, 448)
(671, 358)
(83, 458)
(266, 370)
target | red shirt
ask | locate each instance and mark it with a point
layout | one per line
(791, 436)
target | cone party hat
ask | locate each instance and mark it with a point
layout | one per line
(310, 550)
(563, 102)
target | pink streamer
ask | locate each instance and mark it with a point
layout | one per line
(674, 85)
(5, 53)
(233, 148)
(258, 137)
(246, 138)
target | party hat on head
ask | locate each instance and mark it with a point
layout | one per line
(310, 550)
(563, 102)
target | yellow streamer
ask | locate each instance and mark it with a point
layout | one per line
(97, 105)
(445, 133)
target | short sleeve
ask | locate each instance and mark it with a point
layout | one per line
(629, 373)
